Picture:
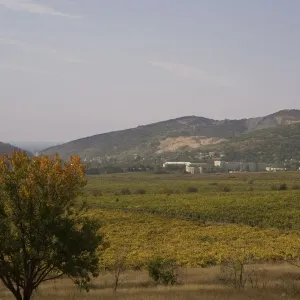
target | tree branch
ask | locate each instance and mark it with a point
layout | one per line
(7, 282)
(47, 270)
(54, 277)
(43, 279)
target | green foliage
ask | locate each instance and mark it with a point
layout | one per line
(178, 183)
(266, 145)
(263, 209)
(162, 271)
(44, 232)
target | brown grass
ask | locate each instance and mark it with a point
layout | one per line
(275, 282)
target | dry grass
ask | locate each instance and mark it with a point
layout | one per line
(275, 282)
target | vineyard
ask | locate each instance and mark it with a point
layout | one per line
(143, 237)
(198, 221)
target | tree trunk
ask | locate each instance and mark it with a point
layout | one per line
(18, 296)
(26, 297)
(27, 294)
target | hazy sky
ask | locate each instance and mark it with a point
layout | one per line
(73, 68)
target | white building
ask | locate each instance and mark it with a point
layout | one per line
(219, 163)
(174, 163)
(271, 169)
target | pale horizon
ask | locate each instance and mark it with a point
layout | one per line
(71, 69)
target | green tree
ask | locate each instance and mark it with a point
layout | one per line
(163, 271)
(44, 230)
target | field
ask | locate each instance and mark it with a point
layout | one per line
(276, 282)
(202, 222)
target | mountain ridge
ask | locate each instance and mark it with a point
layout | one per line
(9, 148)
(145, 140)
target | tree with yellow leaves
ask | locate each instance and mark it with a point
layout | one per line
(44, 232)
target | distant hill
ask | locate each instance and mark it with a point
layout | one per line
(8, 148)
(267, 145)
(190, 134)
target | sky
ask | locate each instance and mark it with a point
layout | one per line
(75, 68)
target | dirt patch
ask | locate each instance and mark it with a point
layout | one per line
(193, 142)
(290, 122)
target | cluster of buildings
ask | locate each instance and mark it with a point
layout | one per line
(224, 166)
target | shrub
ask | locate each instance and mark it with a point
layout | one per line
(162, 271)
(140, 191)
(125, 191)
(234, 273)
(192, 189)
(296, 187)
(214, 183)
(283, 187)
(226, 189)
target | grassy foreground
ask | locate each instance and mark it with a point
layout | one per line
(275, 282)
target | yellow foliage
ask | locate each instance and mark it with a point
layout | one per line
(33, 175)
(190, 243)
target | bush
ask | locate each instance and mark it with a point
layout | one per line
(234, 273)
(125, 191)
(283, 187)
(226, 189)
(140, 191)
(192, 189)
(162, 271)
(296, 187)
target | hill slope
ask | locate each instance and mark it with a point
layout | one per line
(163, 139)
(8, 148)
(267, 145)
